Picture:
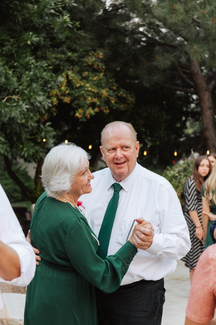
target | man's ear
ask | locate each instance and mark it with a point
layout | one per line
(102, 152)
(137, 148)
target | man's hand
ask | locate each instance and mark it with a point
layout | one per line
(143, 234)
(36, 251)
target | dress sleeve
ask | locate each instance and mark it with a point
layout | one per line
(105, 274)
(190, 193)
(201, 303)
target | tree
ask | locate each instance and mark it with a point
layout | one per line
(169, 43)
(45, 62)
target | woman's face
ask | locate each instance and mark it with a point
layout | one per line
(212, 160)
(82, 182)
(203, 168)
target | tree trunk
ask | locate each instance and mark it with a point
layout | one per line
(37, 178)
(204, 93)
(15, 178)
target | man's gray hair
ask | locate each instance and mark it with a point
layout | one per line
(116, 124)
(60, 166)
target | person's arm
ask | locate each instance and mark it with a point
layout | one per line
(205, 217)
(9, 263)
(106, 274)
(171, 237)
(195, 219)
(201, 303)
(12, 235)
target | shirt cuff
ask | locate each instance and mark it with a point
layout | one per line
(155, 248)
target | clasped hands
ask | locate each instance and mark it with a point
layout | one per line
(143, 234)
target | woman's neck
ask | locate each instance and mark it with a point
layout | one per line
(66, 197)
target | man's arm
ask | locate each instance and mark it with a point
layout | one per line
(13, 246)
(9, 263)
(171, 236)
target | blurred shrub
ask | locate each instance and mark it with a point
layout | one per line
(177, 175)
(12, 190)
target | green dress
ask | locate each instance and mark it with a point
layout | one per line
(209, 241)
(63, 289)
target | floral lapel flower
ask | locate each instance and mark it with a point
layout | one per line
(80, 204)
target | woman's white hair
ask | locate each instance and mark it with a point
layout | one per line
(60, 166)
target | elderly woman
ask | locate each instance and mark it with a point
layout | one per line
(62, 291)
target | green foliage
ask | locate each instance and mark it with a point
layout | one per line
(178, 174)
(11, 189)
(46, 61)
(89, 89)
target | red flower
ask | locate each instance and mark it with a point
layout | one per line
(173, 161)
(183, 159)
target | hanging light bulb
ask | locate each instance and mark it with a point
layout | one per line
(175, 153)
(207, 152)
(66, 141)
(145, 153)
(90, 147)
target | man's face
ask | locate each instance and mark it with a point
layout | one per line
(120, 151)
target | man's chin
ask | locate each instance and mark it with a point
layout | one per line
(119, 176)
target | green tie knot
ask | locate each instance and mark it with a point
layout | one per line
(117, 187)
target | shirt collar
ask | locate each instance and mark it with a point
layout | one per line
(127, 182)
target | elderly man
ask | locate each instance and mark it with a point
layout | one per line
(144, 194)
(17, 262)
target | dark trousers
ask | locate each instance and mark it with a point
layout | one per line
(139, 303)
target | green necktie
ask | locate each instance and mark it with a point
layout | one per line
(107, 224)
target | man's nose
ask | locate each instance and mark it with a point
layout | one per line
(118, 153)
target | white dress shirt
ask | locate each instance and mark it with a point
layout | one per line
(144, 195)
(11, 234)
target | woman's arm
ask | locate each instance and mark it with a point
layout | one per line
(205, 217)
(106, 274)
(195, 219)
(9, 263)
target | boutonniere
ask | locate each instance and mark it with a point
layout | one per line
(80, 204)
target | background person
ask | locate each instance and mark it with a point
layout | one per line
(62, 291)
(212, 158)
(209, 206)
(140, 298)
(17, 263)
(193, 210)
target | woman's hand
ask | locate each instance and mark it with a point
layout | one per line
(143, 234)
(199, 233)
(210, 215)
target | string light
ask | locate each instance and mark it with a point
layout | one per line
(145, 153)
(44, 140)
(66, 141)
(175, 153)
(90, 147)
(207, 152)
